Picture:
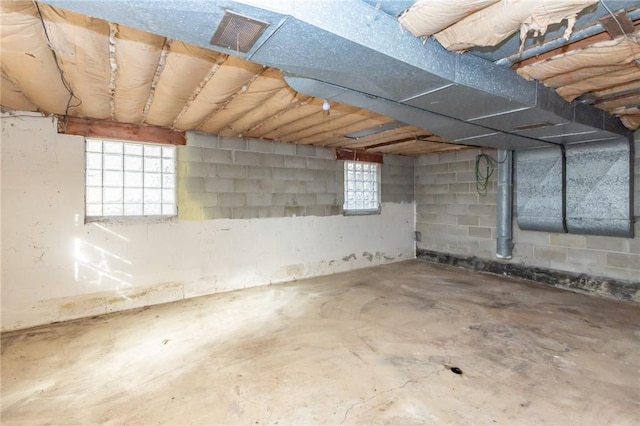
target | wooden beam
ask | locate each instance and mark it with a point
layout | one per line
(123, 131)
(352, 155)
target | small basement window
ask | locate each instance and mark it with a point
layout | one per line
(361, 188)
(129, 179)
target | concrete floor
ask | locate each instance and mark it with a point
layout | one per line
(374, 346)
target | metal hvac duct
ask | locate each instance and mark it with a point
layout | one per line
(353, 52)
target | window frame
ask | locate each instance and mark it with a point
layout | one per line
(131, 218)
(377, 190)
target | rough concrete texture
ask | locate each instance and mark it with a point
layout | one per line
(378, 346)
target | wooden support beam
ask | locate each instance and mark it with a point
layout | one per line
(123, 131)
(352, 155)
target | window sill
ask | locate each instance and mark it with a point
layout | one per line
(129, 220)
(361, 212)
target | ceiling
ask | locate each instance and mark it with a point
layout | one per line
(66, 63)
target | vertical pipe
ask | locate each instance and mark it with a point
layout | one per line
(505, 203)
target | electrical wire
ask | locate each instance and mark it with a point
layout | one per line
(482, 178)
(66, 84)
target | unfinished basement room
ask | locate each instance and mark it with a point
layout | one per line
(320, 212)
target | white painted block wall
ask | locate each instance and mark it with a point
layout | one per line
(56, 268)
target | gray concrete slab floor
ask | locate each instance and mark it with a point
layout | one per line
(373, 346)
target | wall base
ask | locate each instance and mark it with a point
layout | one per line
(618, 289)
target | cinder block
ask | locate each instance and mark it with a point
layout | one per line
(190, 153)
(204, 199)
(305, 174)
(294, 211)
(558, 254)
(568, 240)
(457, 209)
(190, 213)
(335, 187)
(288, 187)
(438, 168)
(466, 177)
(202, 140)
(233, 143)
(282, 199)
(253, 185)
(245, 213)
(280, 173)
(284, 148)
(487, 221)
(305, 199)
(218, 185)
(467, 154)
(605, 243)
(326, 199)
(327, 153)
(398, 160)
(248, 158)
(191, 184)
(196, 169)
(445, 198)
(426, 179)
(482, 210)
(295, 162)
(259, 172)
(273, 160)
(586, 257)
(319, 164)
(326, 175)
(316, 211)
(234, 199)
(479, 232)
(316, 186)
(306, 150)
(467, 220)
(254, 200)
(272, 211)
(460, 166)
(233, 171)
(210, 213)
(256, 145)
(460, 188)
(622, 260)
(447, 157)
(441, 188)
(336, 210)
(183, 168)
(466, 199)
(431, 208)
(218, 156)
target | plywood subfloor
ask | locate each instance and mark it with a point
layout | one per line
(375, 346)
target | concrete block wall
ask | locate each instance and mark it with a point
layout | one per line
(397, 179)
(55, 267)
(453, 218)
(450, 214)
(238, 178)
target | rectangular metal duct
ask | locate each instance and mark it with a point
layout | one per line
(539, 189)
(358, 50)
(600, 188)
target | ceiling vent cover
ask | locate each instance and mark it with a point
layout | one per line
(238, 32)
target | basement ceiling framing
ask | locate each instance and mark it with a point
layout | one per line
(60, 62)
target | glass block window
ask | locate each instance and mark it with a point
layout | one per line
(361, 187)
(129, 179)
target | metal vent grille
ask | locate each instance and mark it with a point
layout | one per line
(238, 32)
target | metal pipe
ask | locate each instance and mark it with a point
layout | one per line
(505, 203)
(559, 42)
